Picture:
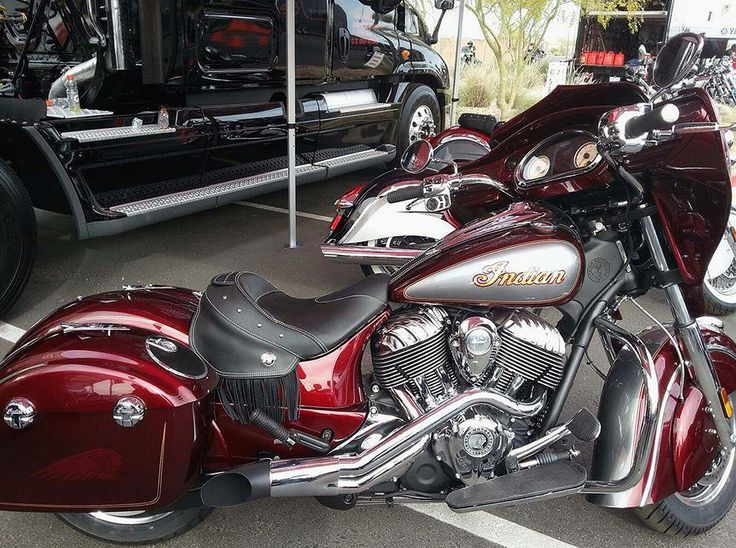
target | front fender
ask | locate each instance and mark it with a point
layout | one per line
(685, 444)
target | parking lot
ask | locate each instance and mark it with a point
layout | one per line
(253, 236)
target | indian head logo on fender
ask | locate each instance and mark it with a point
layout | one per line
(497, 274)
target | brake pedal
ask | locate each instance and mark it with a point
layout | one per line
(584, 426)
(533, 484)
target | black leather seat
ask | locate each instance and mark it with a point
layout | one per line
(246, 327)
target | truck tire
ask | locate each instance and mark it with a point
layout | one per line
(136, 527)
(17, 237)
(420, 117)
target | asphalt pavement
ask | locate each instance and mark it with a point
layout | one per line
(188, 252)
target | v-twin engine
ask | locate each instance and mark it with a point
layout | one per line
(435, 355)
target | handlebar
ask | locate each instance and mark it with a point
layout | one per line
(412, 192)
(658, 118)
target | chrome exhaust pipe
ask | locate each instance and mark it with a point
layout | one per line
(361, 254)
(83, 73)
(338, 475)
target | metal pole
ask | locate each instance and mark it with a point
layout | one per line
(456, 75)
(291, 114)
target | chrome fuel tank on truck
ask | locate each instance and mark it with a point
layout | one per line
(526, 255)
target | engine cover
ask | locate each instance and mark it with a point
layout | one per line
(473, 445)
(508, 349)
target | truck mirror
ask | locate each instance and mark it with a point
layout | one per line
(444, 4)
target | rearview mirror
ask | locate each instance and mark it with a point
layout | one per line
(676, 59)
(417, 156)
(444, 4)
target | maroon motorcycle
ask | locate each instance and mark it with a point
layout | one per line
(133, 413)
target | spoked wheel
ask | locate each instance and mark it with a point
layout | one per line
(136, 527)
(17, 237)
(719, 286)
(400, 242)
(701, 507)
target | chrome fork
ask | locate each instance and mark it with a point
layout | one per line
(689, 333)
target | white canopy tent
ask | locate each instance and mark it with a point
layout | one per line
(291, 102)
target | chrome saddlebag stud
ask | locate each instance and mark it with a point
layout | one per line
(19, 413)
(129, 411)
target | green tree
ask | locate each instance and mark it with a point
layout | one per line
(513, 27)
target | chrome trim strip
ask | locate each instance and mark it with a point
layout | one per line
(360, 254)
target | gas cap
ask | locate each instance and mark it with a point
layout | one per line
(129, 411)
(19, 413)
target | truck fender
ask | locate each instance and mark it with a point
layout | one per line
(684, 444)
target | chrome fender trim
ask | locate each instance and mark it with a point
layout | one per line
(361, 254)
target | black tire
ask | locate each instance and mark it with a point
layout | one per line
(719, 293)
(417, 96)
(676, 517)
(102, 526)
(17, 237)
(716, 307)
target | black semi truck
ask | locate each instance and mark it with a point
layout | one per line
(182, 106)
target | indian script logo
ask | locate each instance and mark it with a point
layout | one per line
(497, 274)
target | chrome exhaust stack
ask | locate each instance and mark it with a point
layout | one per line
(345, 474)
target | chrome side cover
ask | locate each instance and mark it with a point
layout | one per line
(19, 413)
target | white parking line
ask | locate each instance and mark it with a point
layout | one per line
(10, 333)
(282, 210)
(489, 527)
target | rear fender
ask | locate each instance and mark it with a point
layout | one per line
(685, 444)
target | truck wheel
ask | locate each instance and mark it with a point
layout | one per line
(420, 117)
(136, 527)
(17, 237)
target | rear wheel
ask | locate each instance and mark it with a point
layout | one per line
(17, 237)
(701, 507)
(136, 527)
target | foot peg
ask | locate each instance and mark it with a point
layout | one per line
(286, 436)
(533, 484)
(584, 426)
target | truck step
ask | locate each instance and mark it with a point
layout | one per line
(113, 133)
(239, 188)
(533, 484)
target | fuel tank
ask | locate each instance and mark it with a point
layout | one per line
(525, 255)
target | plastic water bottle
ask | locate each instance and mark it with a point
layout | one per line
(72, 94)
(163, 118)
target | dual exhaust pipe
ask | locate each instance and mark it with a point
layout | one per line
(341, 474)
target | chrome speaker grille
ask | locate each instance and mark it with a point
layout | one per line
(411, 347)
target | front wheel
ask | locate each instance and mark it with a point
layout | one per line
(420, 117)
(136, 527)
(698, 509)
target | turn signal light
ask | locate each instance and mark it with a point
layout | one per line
(405, 54)
(347, 200)
(726, 401)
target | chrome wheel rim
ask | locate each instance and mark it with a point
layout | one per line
(723, 286)
(421, 124)
(129, 518)
(708, 488)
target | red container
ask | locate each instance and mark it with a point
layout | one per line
(599, 55)
(608, 58)
(619, 60)
(584, 58)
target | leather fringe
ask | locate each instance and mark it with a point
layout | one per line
(277, 398)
